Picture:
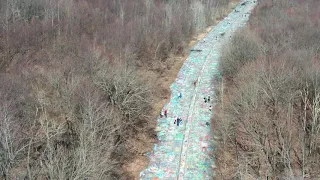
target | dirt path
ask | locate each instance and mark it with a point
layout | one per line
(183, 151)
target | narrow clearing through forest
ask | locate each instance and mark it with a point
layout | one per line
(185, 151)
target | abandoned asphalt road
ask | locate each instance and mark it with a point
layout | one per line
(183, 152)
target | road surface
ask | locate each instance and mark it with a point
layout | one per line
(183, 152)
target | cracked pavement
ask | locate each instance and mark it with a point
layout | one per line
(185, 152)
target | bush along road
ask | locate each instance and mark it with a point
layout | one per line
(185, 151)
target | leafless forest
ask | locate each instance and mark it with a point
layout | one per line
(268, 115)
(71, 98)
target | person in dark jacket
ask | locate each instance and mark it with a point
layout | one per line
(179, 120)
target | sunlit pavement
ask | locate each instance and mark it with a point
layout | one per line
(185, 152)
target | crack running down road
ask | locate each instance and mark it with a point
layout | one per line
(184, 152)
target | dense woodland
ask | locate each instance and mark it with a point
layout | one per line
(268, 115)
(71, 97)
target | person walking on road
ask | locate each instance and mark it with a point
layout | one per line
(165, 113)
(179, 95)
(161, 114)
(179, 121)
(204, 146)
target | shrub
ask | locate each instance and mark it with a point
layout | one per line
(266, 122)
(242, 49)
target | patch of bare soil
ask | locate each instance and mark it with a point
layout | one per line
(161, 77)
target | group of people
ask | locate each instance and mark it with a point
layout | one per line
(164, 113)
(207, 100)
(178, 120)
